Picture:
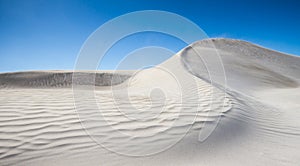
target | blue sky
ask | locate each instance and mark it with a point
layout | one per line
(48, 34)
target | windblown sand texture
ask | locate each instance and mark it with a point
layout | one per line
(162, 113)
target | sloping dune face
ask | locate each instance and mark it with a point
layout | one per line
(248, 67)
(181, 112)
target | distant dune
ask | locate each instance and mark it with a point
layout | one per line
(184, 111)
(56, 79)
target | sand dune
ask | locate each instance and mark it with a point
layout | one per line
(56, 79)
(167, 115)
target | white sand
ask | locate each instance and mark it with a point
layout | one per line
(259, 113)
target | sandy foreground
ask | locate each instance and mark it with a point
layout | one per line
(172, 114)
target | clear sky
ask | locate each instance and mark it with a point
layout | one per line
(48, 34)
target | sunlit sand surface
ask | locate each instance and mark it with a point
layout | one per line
(167, 115)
